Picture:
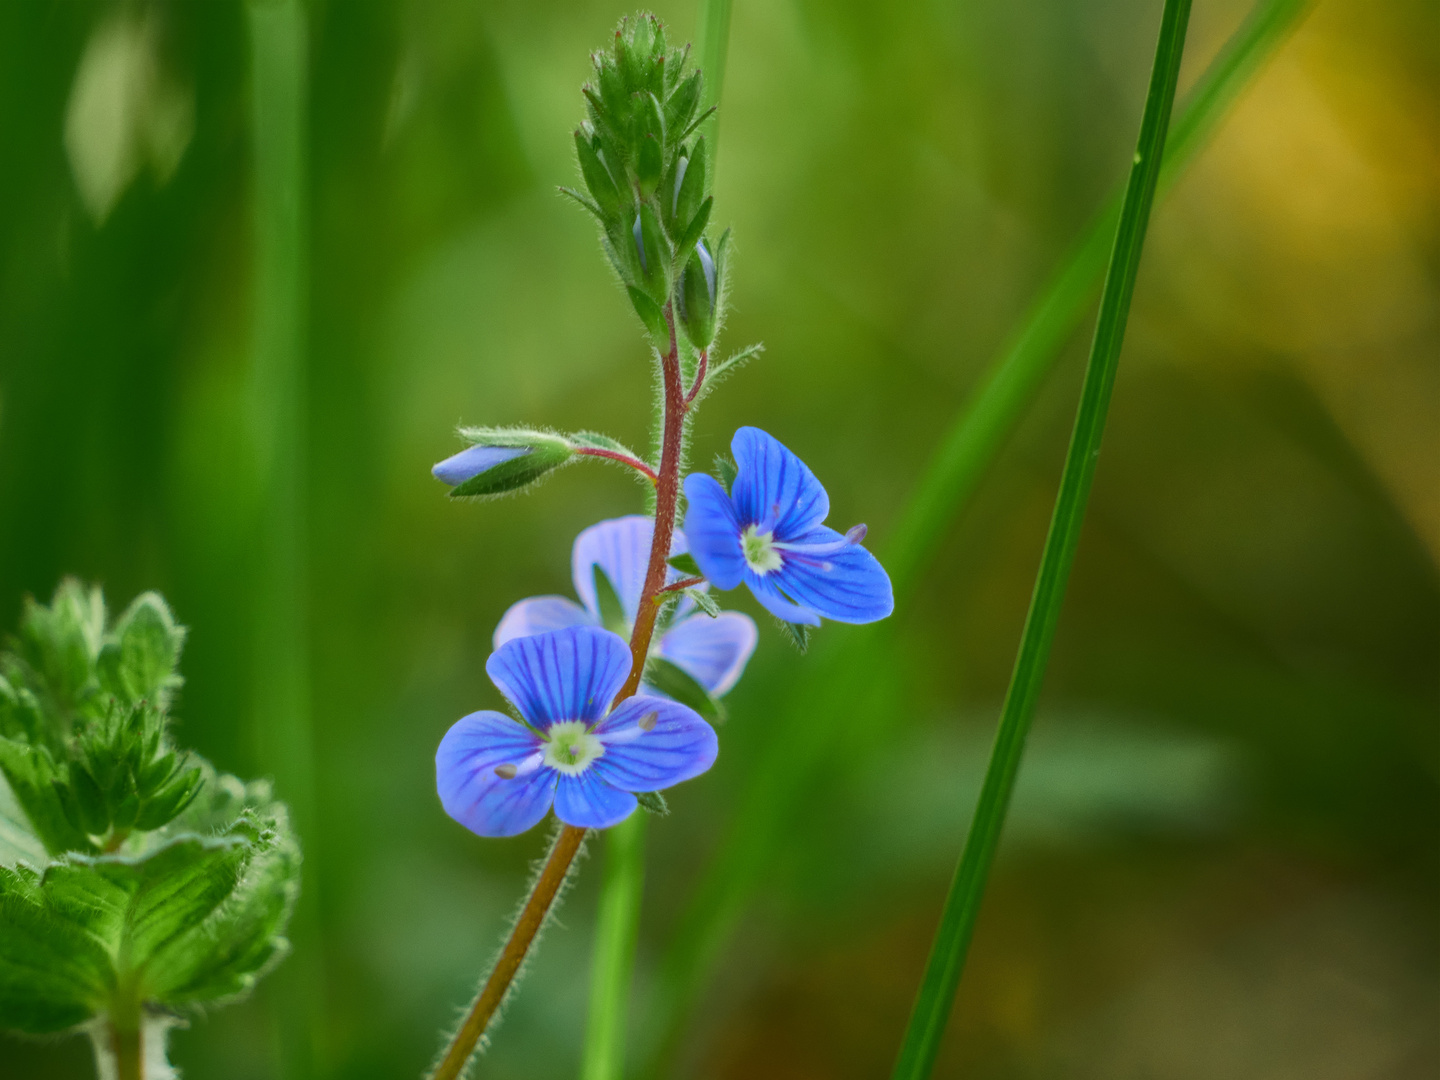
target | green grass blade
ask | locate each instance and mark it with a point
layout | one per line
(282, 726)
(957, 922)
(618, 918)
(617, 926)
(835, 671)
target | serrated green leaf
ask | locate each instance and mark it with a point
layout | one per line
(18, 842)
(686, 564)
(30, 773)
(139, 660)
(678, 684)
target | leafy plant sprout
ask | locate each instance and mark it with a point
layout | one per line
(588, 742)
(137, 885)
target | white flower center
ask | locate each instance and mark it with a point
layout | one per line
(570, 747)
(759, 548)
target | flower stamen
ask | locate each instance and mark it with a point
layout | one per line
(759, 548)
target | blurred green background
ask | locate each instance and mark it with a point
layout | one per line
(1222, 859)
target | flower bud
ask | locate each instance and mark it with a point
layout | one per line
(502, 460)
(700, 293)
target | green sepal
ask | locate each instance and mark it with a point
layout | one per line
(139, 659)
(679, 685)
(650, 146)
(583, 201)
(612, 611)
(652, 315)
(602, 186)
(680, 106)
(166, 805)
(596, 440)
(546, 452)
(686, 564)
(704, 601)
(798, 634)
(653, 802)
(725, 470)
(656, 255)
(696, 229)
(689, 193)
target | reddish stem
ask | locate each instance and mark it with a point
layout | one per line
(624, 459)
(687, 583)
(699, 378)
(567, 846)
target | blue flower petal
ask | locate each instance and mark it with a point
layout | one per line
(676, 745)
(763, 586)
(621, 548)
(713, 531)
(713, 651)
(588, 802)
(848, 585)
(774, 487)
(474, 460)
(538, 615)
(570, 674)
(469, 788)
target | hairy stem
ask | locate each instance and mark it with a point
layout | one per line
(624, 459)
(567, 846)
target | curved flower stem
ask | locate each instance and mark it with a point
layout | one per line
(624, 459)
(699, 383)
(532, 917)
(567, 845)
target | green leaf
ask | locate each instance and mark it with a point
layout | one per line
(31, 776)
(18, 841)
(797, 634)
(140, 657)
(675, 682)
(686, 564)
(653, 802)
(719, 371)
(612, 612)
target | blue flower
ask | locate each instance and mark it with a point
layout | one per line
(767, 532)
(712, 651)
(498, 777)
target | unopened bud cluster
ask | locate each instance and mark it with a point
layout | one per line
(648, 181)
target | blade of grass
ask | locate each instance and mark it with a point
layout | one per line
(282, 729)
(936, 997)
(617, 929)
(836, 672)
(617, 922)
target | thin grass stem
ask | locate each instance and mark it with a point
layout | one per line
(936, 996)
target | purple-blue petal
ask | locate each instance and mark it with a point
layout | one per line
(764, 588)
(679, 746)
(570, 674)
(621, 548)
(773, 487)
(470, 790)
(474, 460)
(713, 651)
(848, 585)
(587, 801)
(539, 615)
(713, 531)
